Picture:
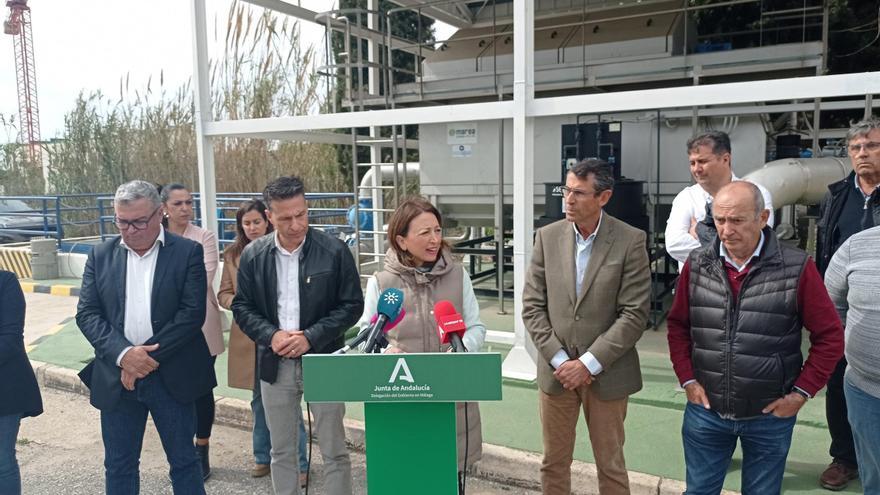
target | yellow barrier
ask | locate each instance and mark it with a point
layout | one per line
(17, 261)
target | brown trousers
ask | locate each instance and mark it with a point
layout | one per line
(559, 416)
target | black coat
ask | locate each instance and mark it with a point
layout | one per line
(177, 311)
(19, 393)
(331, 299)
(827, 233)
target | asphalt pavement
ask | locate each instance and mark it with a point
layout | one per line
(61, 453)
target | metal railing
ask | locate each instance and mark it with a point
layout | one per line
(86, 215)
(228, 204)
(770, 27)
(58, 215)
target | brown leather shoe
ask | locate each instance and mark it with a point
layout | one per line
(837, 476)
(259, 470)
(303, 479)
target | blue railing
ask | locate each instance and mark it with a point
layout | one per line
(92, 214)
(53, 214)
(228, 204)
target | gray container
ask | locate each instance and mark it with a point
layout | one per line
(44, 258)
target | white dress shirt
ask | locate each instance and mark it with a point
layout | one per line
(583, 251)
(723, 253)
(691, 203)
(287, 272)
(139, 273)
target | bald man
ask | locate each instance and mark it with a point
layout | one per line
(735, 343)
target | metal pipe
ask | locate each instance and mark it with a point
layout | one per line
(499, 220)
(395, 160)
(385, 171)
(799, 180)
(354, 190)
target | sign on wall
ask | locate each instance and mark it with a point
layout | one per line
(461, 133)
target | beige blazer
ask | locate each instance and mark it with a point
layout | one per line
(606, 318)
(212, 327)
(242, 350)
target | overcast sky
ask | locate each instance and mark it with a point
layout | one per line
(89, 46)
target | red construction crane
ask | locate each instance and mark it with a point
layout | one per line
(18, 24)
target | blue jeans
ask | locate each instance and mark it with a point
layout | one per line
(123, 432)
(864, 417)
(262, 442)
(709, 442)
(10, 479)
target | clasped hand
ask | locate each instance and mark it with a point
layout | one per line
(572, 374)
(290, 343)
(136, 363)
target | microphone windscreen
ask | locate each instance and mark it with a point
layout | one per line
(444, 308)
(390, 303)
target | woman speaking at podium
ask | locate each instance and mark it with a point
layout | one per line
(419, 262)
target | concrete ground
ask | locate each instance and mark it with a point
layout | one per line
(45, 313)
(653, 422)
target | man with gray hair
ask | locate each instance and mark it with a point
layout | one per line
(585, 305)
(735, 331)
(142, 306)
(850, 206)
(690, 224)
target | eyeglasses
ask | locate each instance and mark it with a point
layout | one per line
(870, 147)
(578, 194)
(134, 224)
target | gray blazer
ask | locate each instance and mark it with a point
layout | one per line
(609, 315)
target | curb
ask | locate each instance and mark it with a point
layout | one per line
(55, 290)
(500, 464)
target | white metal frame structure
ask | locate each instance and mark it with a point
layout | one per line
(522, 110)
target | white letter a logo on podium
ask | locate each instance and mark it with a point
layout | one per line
(401, 372)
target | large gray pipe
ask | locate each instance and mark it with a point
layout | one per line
(799, 180)
(387, 171)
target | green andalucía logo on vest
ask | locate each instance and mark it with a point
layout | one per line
(397, 390)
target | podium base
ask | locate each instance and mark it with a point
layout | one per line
(411, 448)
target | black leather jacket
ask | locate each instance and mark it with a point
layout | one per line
(828, 238)
(331, 299)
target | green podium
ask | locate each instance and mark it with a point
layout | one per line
(409, 410)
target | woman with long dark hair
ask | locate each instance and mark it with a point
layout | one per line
(177, 205)
(251, 223)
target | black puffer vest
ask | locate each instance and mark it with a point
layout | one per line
(746, 353)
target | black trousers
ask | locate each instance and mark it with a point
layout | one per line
(842, 447)
(205, 412)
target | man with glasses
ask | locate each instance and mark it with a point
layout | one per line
(585, 304)
(690, 223)
(142, 306)
(850, 206)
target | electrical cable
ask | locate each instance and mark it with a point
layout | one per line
(462, 475)
(860, 50)
(309, 470)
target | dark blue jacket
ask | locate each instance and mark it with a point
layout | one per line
(177, 311)
(19, 393)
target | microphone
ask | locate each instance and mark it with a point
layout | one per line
(364, 334)
(388, 309)
(450, 325)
